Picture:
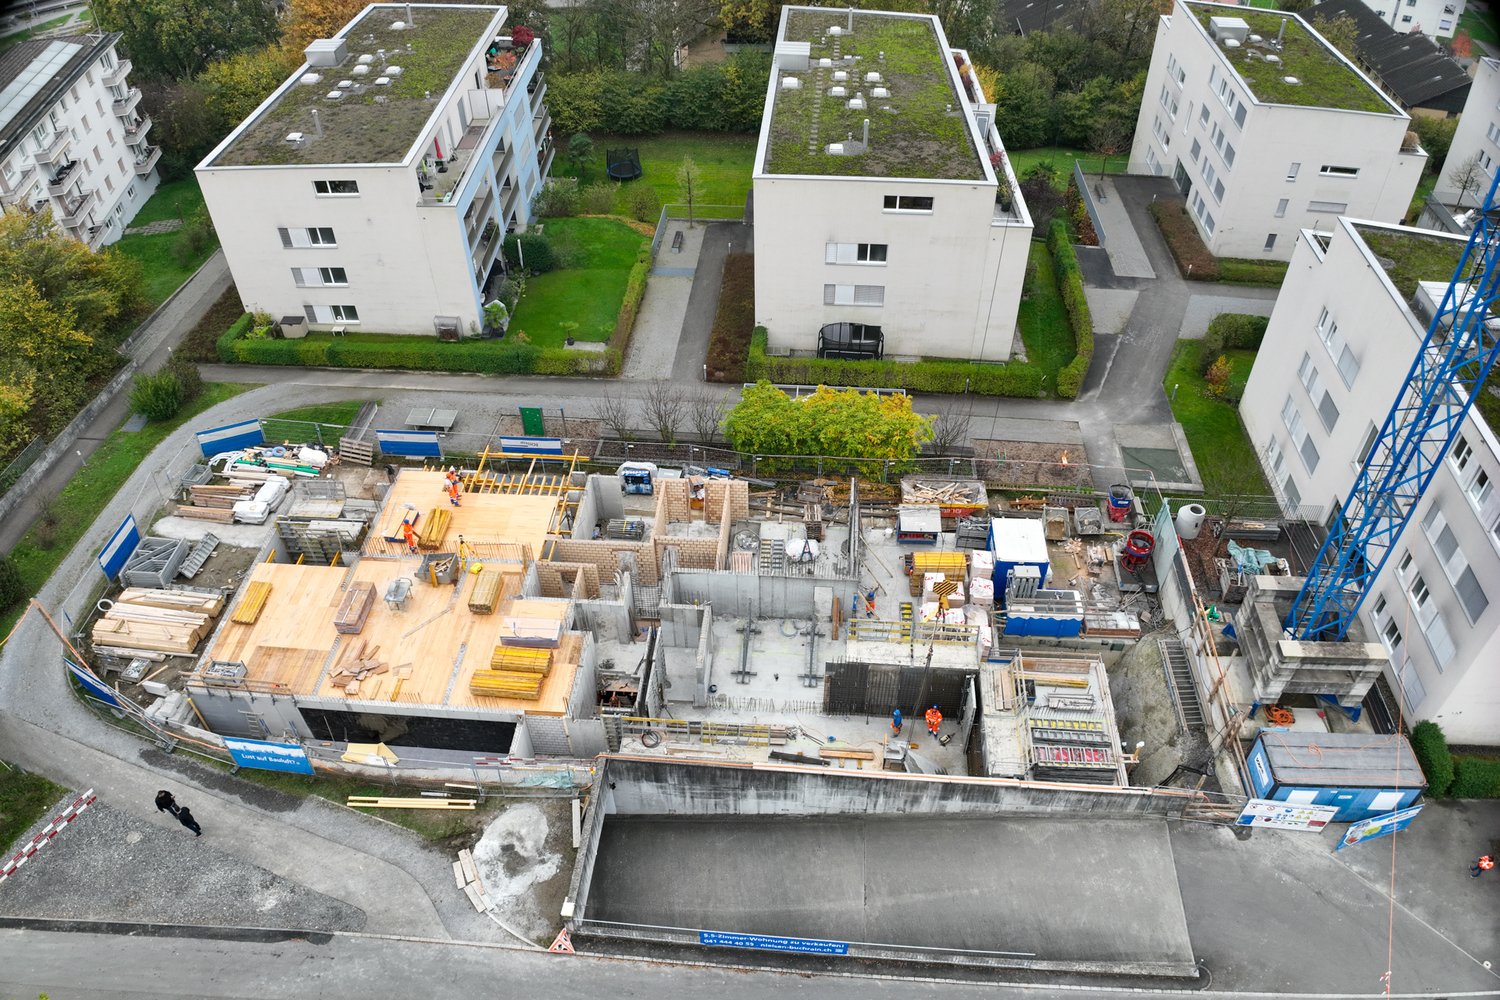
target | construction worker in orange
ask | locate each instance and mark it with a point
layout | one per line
(410, 535)
(453, 492)
(934, 720)
(450, 477)
(870, 604)
(1484, 864)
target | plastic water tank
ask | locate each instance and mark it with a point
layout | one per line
(1190, 521)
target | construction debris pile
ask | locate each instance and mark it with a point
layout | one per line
(364, 665)
(148, 624)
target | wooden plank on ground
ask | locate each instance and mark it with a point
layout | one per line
(475, 897)
(466, 859)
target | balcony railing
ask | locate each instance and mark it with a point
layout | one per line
(117, 75)
(135, 133)
(73, 212)
(144, 163)
(52, 150)
(66, 175)
(127, 104)
(541, 123)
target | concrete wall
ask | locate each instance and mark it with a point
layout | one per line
(1272, 138)
(767, 596)
(1477, 130)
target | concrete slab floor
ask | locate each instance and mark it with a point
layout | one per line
(1059, 889)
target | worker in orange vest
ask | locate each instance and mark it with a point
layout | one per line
(934, 720)
(1484, 864)
(450, 478)
(870, 604)
(410, 535)
(453, 493)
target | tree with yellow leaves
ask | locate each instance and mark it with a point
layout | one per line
(843, 423)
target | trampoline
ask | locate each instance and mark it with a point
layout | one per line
(624, 164)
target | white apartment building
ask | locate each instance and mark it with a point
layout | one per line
(1478, 132)
(1434, 18)
(1338, 349)
(372, 189)
(888, 222)
(1267, 129)
(72, 138)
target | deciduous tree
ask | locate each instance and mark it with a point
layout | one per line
(689, 183)
(306, 20)
(837, 423)
(1467, 176)
(97, 291)
(236, 85)
(177, 38)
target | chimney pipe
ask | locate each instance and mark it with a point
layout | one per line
(867, 135)
(1280, 31)
(317, 123)
(408, 14)
(851, 20)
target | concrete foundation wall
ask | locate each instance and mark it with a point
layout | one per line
(740, 594)
(225, 713)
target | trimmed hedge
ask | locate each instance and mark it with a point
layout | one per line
(224, 346)
(1475, 778)
(1431, 748)
(635, 291)
(1070, 284)
(1243, 271)
(1230, 331)
(1021, 381)
(396, 351)
(1192, 255)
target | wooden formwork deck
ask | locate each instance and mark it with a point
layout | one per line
(484, 517)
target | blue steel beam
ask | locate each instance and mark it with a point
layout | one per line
(1450, 367)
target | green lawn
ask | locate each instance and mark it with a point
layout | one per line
(35, 29)
(1226, 460)
(724, 160)
(157, 253)
(1043, 319)
(24, 799)
(1022, 160)
(1479, 21)
(587, 292)
(43, 548)
(297, 425)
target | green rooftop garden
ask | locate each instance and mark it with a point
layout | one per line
(1324, 79)
(357, 128)
(1412, 256)
(913, 133)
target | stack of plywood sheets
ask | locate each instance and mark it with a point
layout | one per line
(209, 603)
(486, 593)
(515, 672)
(161, 621)
(215, 503)
(354, 608)
(249, 608)
(435, 528)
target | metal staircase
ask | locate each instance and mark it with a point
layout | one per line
(1180, 677)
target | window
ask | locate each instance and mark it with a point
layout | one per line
(1460, 455)
(1431, 620)
(1480, 489)
(1494, 133)
(1446, 24)
(1281, 208)
(1338, 350)
(907, 203)
(1197, 148)
(335, 187)
(318, 236)
(1200, 209)
(331, 314)
(1203, 116)
(1160, 131)
(1331, 171)
(1174, 71)
(1328, 207)
(109, 183)
(314, 277)
(1169, 101)
(1470, 594)
(1366, 446)
(1406, 18)
(98, 158)
(1283, 475)
(1307, 373)
(854, 253)
(1291, 171)
(130, 192)
(85, 121)
(1291, 416)
(1270, 242)
(853, 295)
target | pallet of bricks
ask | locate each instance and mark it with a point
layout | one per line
(158, 621)
(514, 672)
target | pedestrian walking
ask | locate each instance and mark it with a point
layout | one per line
(896, 722)
(934, 720)
(1484, 864)
(185, 817)
(165, 802)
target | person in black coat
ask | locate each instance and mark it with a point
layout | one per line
(165, 802)
(186, 819)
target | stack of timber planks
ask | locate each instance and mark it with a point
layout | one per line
(434, 528)
(161, 621)
(215, 503)
(466, 877)
(346, 676)
(485, 596)
(354, 608)
(252, 603)
(515, 672)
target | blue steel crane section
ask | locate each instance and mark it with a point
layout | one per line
(1450, 367)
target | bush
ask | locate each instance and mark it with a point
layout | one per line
(1252, 272)
(12, 587)
(157, 396)
(635, 291)
(535, 255)
(187, 375)
(1078, 216)
(1431, 749)
(1475, 778)
(645, 203)
(1070, 284)
(1013, 379)
(724, 97)
(598, 199)
(196, 236)
(559, 196)
(1188, 249)
(1229, 331)
(224, 347)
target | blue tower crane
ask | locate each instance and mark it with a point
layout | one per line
(1450, 368)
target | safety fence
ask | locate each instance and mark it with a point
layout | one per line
(23, 461)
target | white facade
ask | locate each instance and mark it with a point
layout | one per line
(73, 139)
(1255, 173)
(1478, 132)
(1434, 18)
(936, 264)
(1340, 344)
(390, 247)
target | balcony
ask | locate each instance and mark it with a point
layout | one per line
(19, 192)
(537, 88)
(117, 76)
(135, 133)
(96, 235)
(52, 150)
(540, 124)
(147, 160)
(126, 104)
(75, 211)
(544, 156)
(66, 176)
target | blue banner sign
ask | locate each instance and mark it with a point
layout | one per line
(92, 684)
(230, 437)
(118, 549)
(265, 756)
(531, 445)
(764, 942)
(1377, 827)
(409, 444)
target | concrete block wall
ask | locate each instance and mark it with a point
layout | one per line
(692, 553)
(735, 491)
(585, 583)
(673, 501)
(601, 553)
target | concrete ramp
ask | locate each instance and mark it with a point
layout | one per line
(1064, 893)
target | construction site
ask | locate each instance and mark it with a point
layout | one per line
(782, 667)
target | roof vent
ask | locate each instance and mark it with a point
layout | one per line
(335, 95)
(839, 76)
(1231, 43)
(790, 83)
(366, 59)
(325, 52)
(872, 77)
(856, 103)
(1291, 80)
(792, 57)
(1224, 28)
(295, 138)
(382, 81)
(398, 25)
(345, 84)
(837, 92)
(311, 78)
(360, 70)
(835, 30)
(1255, 39)
(393, 71)
(381, 98)
(1273, 59)
(880, 92)
(835, 149)
(825, 64)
